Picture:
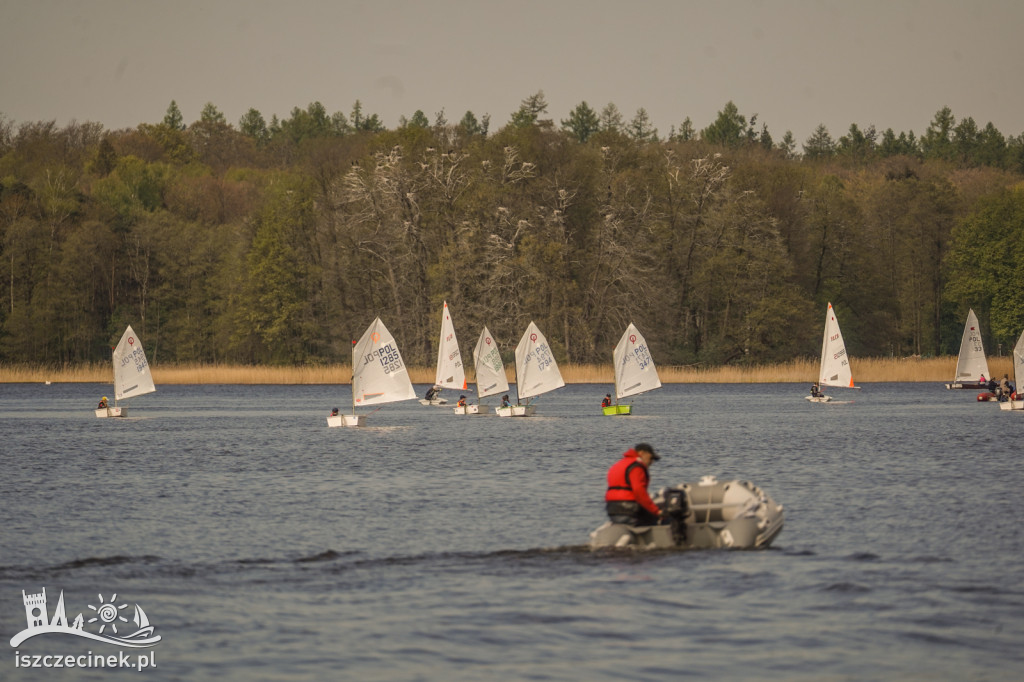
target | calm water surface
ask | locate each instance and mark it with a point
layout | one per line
(428, 546)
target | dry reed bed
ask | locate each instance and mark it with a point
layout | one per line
(866, 370)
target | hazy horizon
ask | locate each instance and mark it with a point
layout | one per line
(796, 64)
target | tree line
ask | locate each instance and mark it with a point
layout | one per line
(278, 242)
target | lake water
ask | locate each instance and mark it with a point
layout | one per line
(429, 546)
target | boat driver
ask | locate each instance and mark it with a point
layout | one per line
(627, 500)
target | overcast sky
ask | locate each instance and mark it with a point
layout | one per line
(794, 63)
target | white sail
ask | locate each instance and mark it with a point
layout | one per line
(131, 371)
(835, 365)
(1018, 363)
(490, 371)
(379, 374)
(536, 369)
(634, 368)
(970, 363)
(450, 373)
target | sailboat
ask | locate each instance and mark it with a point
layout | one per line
(634, 370)
(536, 373)
(1018, 376)
(450, 373)
(379, 374)
(971, 366)
(835, 364)
(490, 373)
(132, 376)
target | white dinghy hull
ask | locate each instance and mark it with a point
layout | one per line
(715, 514)
(516, 411)
(103, 412)
(472, 409)
(347, 420)
(1012, 405)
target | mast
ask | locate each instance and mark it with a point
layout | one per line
(353, 378)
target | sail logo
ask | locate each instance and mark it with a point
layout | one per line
(107, 622)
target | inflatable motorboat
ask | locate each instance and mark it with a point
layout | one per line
(704, 515)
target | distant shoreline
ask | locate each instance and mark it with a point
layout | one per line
(804, 370)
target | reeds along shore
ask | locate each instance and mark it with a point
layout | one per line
(865, 370)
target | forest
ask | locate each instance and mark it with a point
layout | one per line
(278, 242)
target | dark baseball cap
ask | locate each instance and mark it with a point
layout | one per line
(647, 448)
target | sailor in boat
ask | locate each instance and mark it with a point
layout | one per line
(103, 403)
(627, 500)
(432, 393)
(462, 401)
(1005, 388)
(334, 412)
(505, 402)
(607, 402)
(816, 390)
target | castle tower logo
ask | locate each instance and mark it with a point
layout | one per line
(109, 620)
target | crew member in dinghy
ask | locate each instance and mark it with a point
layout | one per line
(505, 402)
(1005, 388)
(462, 401)
(816, 390)
(607, 402)
(627, 500)
(103, 403)
(334, 412)
(431, 393)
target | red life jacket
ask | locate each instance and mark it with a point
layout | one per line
(627, 481)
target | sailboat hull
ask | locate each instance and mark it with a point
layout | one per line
(516, 411)
(472, 409)
(1012, 405)
(435, 401)
(617, 409)
(966, 384)
(711, 514)
(104, 412)
(347, 420)
(818, 398)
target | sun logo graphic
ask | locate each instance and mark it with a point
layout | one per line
(108, 615)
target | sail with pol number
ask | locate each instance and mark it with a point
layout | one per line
(634, 370)
(379, 374)
(490, 373)
(835, 364)
(132, 376)
(450, 372)
(536, 372)
(971, 364)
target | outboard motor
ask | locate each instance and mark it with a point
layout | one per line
(676, 508)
